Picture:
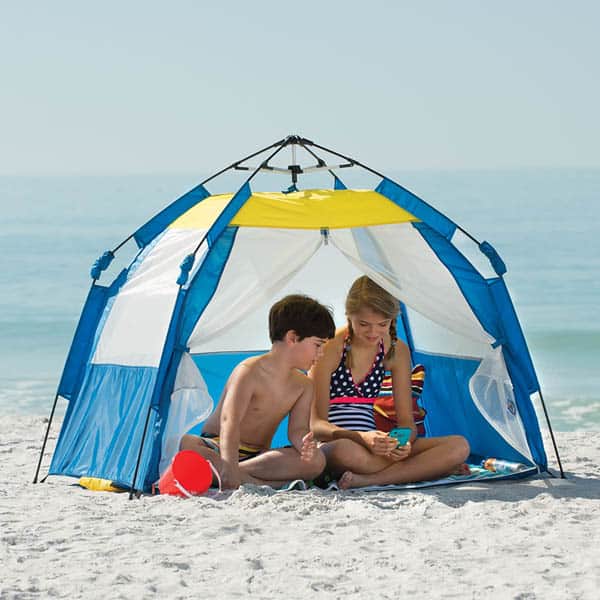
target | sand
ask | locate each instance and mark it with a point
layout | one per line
(538, 538)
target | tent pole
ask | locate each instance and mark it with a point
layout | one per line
(139, 458)
(562, 473)
(50, 419)
(241, 160)
(318, 159)
(283, 144)
(363, 166)
(214, 176)
(37, 471)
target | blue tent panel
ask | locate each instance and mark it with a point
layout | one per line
(82, 344)
(473, 286)
(103, 434)
(447, 379)
(205, 282)
(217, 367)
(514, 334)
(163, 219)
(233, 206)
(82, 341)
(520, 366)
(338, 184)
(414, 205)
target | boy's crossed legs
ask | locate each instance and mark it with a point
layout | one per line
(274, 467)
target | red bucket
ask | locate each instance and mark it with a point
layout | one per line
(188, 474)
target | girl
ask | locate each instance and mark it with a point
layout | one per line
(348, 379)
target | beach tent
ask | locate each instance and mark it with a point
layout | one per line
(153, 348)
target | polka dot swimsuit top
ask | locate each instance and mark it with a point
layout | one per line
(351, 405)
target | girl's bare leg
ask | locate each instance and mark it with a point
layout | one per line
(431, 458)
(344, 454)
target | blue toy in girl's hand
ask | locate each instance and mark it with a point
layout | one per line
(401, 434)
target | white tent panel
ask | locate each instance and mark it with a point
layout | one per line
(137, 322)
(261, 263)
(190, 404)
(470, 250)
(431, 337)
(266, 264)
(398, 258)
(492, 392)
(326, 277)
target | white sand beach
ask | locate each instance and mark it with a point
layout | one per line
(536, 538)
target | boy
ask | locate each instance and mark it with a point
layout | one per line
(259, 393)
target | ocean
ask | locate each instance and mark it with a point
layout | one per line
(545, 223)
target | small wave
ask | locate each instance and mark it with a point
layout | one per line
(574, 413)
(578, 341)
(29, 397)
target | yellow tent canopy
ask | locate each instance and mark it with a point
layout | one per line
(306, 209)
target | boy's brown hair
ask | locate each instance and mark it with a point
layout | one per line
(301, 314)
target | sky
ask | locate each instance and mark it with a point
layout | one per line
(181, 86)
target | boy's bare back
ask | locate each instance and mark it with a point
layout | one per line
(264, 394)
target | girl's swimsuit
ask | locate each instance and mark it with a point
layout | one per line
(351, 405)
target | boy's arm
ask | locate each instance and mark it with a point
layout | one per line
(235, 404)
(299, 419)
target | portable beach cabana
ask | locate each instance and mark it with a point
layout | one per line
(155, 346)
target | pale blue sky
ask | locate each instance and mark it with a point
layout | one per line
(180, 86)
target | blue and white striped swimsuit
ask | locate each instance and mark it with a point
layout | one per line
(351, 405)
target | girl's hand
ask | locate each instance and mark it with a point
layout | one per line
(401, 452)
(309, 447)
(378, 442)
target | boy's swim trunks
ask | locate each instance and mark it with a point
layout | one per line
(245, 452)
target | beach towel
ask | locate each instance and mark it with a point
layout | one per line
(477, 473)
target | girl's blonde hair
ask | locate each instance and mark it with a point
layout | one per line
(364, 292)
